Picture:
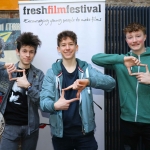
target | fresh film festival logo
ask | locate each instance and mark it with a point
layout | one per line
(53, 9)
(62, 10)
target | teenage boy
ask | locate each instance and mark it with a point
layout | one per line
(134, 91)
(21, 98)
(72, 121)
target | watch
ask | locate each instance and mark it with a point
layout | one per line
(29, 87)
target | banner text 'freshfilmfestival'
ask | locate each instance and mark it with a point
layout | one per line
(63, 10)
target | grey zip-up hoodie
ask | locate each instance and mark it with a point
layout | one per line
(51, 91)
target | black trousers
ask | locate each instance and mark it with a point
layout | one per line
(131, 133)
(86, 142)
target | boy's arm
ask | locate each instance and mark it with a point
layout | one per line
(99, 80)
(34, 88)
(47, 94)
(2, 64)
(107, 60)
(2, 46)
(96, 79)
(110, 60)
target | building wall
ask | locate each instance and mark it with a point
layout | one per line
(9, 4)
(9, 14)
(128, 2)
(9, 8)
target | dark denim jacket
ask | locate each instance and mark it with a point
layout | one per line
(35, 77)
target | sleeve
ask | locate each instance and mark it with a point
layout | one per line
(34, 92)
(99, 80)
(47, 94)
(108, 60)
(4, 80)
(2, 65)
(2, 46)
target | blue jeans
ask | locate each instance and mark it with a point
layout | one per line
(86, 142)
(13, 135)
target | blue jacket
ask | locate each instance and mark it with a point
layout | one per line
(35, 77)
(51, 91)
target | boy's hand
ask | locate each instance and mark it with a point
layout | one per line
(62, 103)
(10, 76)
(79, 85)
(21, 81)
(143, 77)
(130, 61)
(10, 67)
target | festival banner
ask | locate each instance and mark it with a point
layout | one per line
(47, 19)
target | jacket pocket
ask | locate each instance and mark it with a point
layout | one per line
(56, 125)
(35, 85)
(128, 104)
(53, 120)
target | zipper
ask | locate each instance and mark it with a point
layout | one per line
(137, 98)
(83, 131)
(89, 91)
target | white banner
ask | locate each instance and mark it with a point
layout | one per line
(48, 18)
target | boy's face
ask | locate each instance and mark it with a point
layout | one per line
(135, 41)
(26, 55)
(67, 48)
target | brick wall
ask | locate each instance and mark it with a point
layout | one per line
(9, 14)
(128, 2)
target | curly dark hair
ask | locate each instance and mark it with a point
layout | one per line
(132, 27)
(64, 34)
(28, 39)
